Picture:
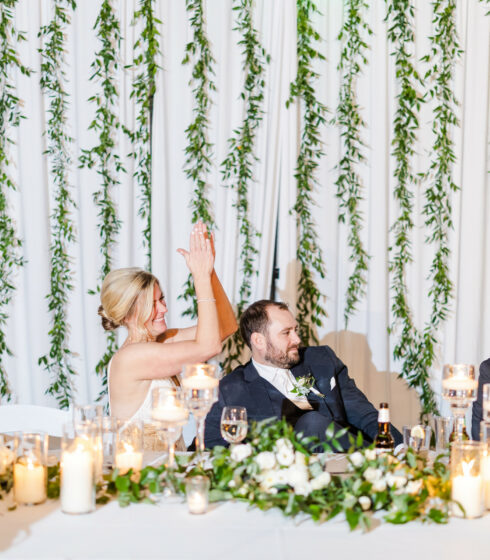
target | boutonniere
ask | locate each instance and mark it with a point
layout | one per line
(304, 385)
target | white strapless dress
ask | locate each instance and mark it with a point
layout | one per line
(151, 440)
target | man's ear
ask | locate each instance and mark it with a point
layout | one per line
(257, 340)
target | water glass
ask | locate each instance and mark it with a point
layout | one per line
(443, 427)
(234, 424)
(417, 437)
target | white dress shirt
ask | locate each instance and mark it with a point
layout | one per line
(284, 381)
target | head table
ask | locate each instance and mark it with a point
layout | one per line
(227, 530)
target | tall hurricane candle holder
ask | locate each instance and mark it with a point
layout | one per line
(170, 413)
(200, 387)
(129, 447)
(467, 478)
(30, 472)
(459, 389)
(485, 439)
(92, 413)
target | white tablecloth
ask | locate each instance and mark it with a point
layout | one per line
(229, 531)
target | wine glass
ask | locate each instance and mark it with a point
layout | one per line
(459, 389)
(200, 387)
(234, 425)
(170, 414)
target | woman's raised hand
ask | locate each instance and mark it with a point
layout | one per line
(200, 257)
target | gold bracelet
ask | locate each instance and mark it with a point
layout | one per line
(206, 299)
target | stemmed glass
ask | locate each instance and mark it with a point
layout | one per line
(234, 425)
(200, 387)
(170, 414)
(459, 389)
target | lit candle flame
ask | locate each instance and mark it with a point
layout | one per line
(467, 466)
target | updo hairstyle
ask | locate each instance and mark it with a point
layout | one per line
(127, 292)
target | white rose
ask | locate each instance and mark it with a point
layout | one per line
(379, 485)
(371, 474)
(396, 481)
(370, 454)
(321, 481)
(413, 486)
(282, 476)
(266, 460)
(285, 456)
(357, 458)
(302, 489)
(300, 459)
(268, 479)
(365, 502)
(283, 443)
(297, 475)
(241, 451)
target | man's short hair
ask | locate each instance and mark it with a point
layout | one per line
(256, 319)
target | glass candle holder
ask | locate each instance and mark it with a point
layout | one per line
(7, 459)
(486, 402)
(110, 426)
(459, 389)
(197, 493)
(200, 387)
(92, 413)
(30, 472)
(467, 478)
(485, 439)
(129, 447)
(443, 426)
(77, 468)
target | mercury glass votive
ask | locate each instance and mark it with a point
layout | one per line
(197, 493)
(30, 472)
(78, 468)
(129, 447)
(467, 459)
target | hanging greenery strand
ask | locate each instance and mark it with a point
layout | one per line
(445, 53)
(351, 123)
(103, 156)
(10, 117)
(199, 149)
(309, 309)
(58, 361)
(238, 166)
(145, 66)
(400, 17)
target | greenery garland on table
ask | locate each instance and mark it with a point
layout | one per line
(238, 166)
(10, 117)
(146, 50)
(58, 362)
(400, 16)
(351, 123)
(199, 149)
(275, 469)
(445, 53)
(309, 254)
(103, 156)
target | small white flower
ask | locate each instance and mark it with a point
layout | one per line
(413, 487)
(241, 451)
(365, 502)
(357, 458)
(371, 474)
(282, 443)
(302, 489)
(321, 481)
(265, 460)
(300, 459)
(268, 479)
(396, 481)
(370, 454)
(297, 475)
(243, 490)
(379, 485)
(285, 456)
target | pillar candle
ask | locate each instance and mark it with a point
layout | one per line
(30, 483)
(129, 459)
(468, 491)
(77, 479)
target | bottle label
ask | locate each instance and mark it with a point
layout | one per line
(384, 415)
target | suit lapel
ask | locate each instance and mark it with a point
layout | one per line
(316, 401)
(264, 395)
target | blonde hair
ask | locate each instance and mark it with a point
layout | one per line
(127, 292)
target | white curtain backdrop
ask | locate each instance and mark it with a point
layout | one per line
(365, 347)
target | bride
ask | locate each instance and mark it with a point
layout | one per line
(152, 354)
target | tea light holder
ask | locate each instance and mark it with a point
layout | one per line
(129, 447)
(30, 472)
(467, 478)
(197, 493)
(78, 468)
(485, 439)
(200, 387)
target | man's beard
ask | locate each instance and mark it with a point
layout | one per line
(280, 359)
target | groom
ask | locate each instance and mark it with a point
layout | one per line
(268, 384)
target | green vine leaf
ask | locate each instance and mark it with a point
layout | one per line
(10, 117)
(198, 150)
(145, 68)
(309, 254)
(58, 360)
(238, 166)
(104, 156)
(351, 124)
(400, 19)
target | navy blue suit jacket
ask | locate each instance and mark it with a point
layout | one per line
(477, 414)
(343, 402)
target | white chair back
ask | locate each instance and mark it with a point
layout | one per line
(33, 418)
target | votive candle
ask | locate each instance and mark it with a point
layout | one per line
(129, 459)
